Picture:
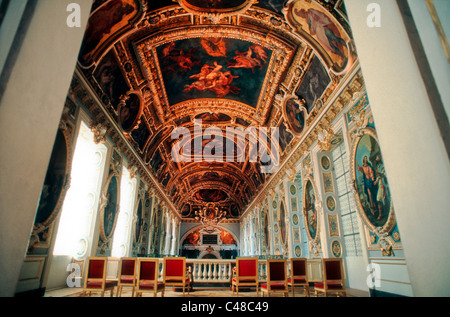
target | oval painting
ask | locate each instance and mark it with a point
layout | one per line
(283, 223)
(310, 210)
(52, 191)
(111, 207)
(266, 230)
(138, 226)
(129, 112)
(372, 188)
(295, 116)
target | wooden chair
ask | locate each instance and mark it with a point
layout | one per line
(95, 280)
(147, 277)
(333, 278)
(127, 275)
(245, 274)
(276, 278)
(175, 273)
(299, 275)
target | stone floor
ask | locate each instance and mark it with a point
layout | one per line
(196, 292)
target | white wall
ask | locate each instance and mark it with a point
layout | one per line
(415, 158)
(32, 102)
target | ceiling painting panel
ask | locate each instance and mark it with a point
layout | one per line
(159, 65)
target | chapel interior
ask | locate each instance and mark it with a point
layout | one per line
(213, 130)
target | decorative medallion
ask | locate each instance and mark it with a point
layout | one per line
(336, 249)
(298, 251)
(331, 203)
(325, 161)
(295, 219)
(293, 189)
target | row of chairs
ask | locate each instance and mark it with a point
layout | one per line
(246, 273)
(140, 274)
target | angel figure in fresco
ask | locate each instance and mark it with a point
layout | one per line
(213, 79)
(255, 56)
(214, 46)
(295, 115)
(102, 22)
(176, 58)
(326, 31)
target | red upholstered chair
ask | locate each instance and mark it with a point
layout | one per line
(245, 274)
(127, 275)
(147, 277)
(299, 275)
(333, 278)
(175, 273)
(95, 280)
(276, 278)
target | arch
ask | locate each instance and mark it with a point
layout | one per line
(218, 227)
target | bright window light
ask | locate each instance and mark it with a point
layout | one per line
(122, 233)
(81, 203)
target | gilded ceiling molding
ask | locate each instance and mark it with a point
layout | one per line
(325, 117)
(228, 107)
(280, 61)
(215, 11)
(84, 92)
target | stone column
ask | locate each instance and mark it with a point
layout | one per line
(414, 154)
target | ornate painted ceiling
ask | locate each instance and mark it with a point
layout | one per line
(160, 65)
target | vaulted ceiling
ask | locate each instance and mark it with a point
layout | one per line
(161, 65)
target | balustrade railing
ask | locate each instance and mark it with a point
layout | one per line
(221, 271)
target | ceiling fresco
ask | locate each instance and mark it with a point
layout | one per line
(159, 65)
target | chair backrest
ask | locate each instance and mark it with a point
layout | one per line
(299, 268)
(246, 267)
(332, 270)
(127, 266)
(276, 270)
(148, 269)
(174, 267)
(96, 268)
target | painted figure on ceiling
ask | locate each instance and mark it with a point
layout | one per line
(213, 79)
(255, 56)
(214, 46)
(178, 59)
(326, 31)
